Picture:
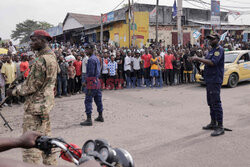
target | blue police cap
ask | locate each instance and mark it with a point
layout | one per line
(88, 45)
(213, 36)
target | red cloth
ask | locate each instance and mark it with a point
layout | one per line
(146, 59)
(168, 61)
(78, 66)
(23, 67)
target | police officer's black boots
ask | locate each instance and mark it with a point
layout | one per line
(218, 131)
(211, 126)
(99, 118)
(87, 122)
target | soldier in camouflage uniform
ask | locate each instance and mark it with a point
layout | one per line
(38, 90)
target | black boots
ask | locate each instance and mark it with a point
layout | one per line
(87, 122)
(99, 119)
(211, 126)
(218, 129)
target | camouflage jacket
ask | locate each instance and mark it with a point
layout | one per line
(38, 88)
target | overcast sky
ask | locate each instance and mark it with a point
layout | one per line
(13, 12)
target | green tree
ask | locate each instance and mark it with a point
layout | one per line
(24, 29)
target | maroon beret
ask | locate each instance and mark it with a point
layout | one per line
(42, 33)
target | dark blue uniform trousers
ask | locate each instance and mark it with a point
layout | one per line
(97, 95)
(214, 102)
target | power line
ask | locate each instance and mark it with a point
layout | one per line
(118, 5)
(188, 1)
(238, 2)
(222, 7)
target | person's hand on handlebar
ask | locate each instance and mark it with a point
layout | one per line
(28, 139)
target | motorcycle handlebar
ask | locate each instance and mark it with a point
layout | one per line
(65, 149)
(46, 144)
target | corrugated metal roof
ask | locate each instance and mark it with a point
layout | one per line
(84, 19)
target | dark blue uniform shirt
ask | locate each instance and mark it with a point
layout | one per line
(215, 74)
(93, 73)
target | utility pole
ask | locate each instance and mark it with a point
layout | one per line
(179, 14)
(156, 20)
(133, 23)
(129, 15)
(101, 33)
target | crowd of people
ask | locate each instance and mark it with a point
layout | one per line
(14, 69)
(154, 66)
(121, 67)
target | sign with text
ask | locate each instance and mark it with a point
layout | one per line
(215, 20)
(108, 17)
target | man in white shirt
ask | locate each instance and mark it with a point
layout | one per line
(127, 69)
(162, 54)
(12, 49)
(105, 61)
(84, 65)
(137, 68)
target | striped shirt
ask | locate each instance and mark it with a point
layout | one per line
(112, 66)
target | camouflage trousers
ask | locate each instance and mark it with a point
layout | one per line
(39, 124)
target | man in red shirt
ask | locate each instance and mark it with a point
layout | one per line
(168, 59)
(78, 78)
(146, 63)
(24, 67)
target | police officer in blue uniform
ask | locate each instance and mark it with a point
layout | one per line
(92, 86)
(213, 75)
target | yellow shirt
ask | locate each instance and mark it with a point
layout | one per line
(154, 66)
(9, 71)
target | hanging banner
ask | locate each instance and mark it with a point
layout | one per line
(215, 13)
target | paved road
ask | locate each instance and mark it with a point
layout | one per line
(160, 127)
